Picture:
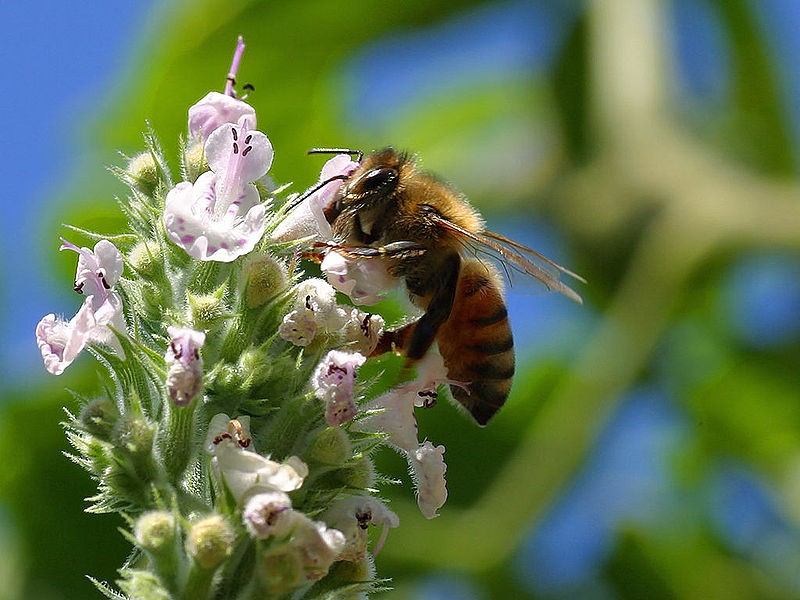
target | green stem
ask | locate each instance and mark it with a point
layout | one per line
(177, 440)
(198, 584)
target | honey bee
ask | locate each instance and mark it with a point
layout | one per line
(431, 237)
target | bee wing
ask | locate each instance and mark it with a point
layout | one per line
(510, 253)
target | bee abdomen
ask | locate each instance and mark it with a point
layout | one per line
(476, 342)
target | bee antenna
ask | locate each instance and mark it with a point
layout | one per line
(357, 153)
(313, 189)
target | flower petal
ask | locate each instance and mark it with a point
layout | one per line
(365, 281)
(239, 152)
(214, 110)
(428, 469)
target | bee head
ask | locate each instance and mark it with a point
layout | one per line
(377, 179)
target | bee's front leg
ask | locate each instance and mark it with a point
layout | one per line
(414, 340)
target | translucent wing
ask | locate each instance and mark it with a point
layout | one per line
(512, 254)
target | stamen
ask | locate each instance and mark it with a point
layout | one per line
(79, 287)
(246, 151)
(235, 148)
(365, 324)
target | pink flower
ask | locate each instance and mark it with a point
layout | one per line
(308, 219)
(185, 375)
(60, 341)
(333, 382)
(216, 109)
(267, 513)
(364, 280)
(220, 216)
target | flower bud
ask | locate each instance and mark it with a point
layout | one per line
(280, 572)
(195, 160)
(98, 417)
(155, 531)
(346, 571)
(146, 259)
(264, 278)
(330, 446)
(358, 474)
(143, 172)
(206, 310)
(268, 513)
(210, 541)
(257, 363)
(150, 299)
(134, 435)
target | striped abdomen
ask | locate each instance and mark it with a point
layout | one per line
(476, 341)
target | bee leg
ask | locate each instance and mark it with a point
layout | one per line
(438, 311)
(414, 339)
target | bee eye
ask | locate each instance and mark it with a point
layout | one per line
(378, 179)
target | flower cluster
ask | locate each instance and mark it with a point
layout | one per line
(197, 313)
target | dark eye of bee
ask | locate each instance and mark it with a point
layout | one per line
(377, 179)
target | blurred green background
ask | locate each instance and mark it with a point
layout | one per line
(651, 445)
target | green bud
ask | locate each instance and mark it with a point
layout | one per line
(151, 300)
(256, 365)
(98, 417)
(146, 259)
(210, 541)
(280, 572)
(134, 435)
(133, 468)
(346, 571)
(358, 474)
(155, 531)
(195, 160)
(329, 446)
(143, 171)
(207, 310)
(264, 278)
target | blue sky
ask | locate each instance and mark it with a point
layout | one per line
(60, 59)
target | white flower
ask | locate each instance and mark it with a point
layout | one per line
(362, 331)
(363, 280)
(392, 413)
(214, 110)
(243, 470)
(185, 374)
(299, 327)
(317, 295)
(60, 341)
(317, 545)
(333, 382)
(98, 270)
(315, 313)
(428, 468)
(219, 217)
(268, 514)
(308, 218)
(352, 516)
